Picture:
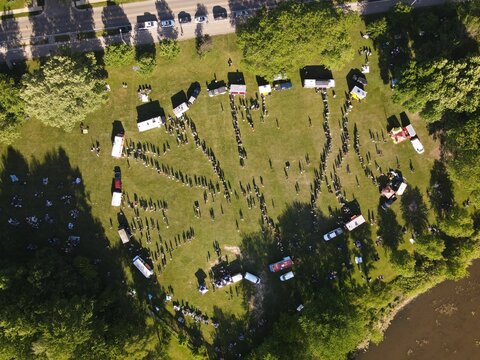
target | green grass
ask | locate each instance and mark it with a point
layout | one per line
(13, 4)
(290, 142)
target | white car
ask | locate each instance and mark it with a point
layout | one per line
(167, 23)
(287, 276)
(333, 234)
(201, 19)
(252, 278)
(417, 145)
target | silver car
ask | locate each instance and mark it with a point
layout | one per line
(167, 23)
(333, 234)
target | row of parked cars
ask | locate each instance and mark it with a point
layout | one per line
(219, 13)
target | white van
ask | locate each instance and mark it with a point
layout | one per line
(417, 145)
(252, 278)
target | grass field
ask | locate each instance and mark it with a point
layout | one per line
(290, 141)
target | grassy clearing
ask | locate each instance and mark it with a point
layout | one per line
(6, 5)
(290, 142)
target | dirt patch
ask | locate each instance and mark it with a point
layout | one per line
(233, 249)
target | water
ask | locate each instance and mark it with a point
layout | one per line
(441, 324)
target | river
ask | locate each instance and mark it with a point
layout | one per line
(442, 324)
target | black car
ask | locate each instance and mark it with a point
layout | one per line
(220, 15)
(184, 18)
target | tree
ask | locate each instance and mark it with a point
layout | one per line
(146, 63)
(11, 110)
(430, 246)
(437, 86)
(293, 35)
(377, 28)
(403, 262)
(117, 55)
(457, 223)
(169, 49)
(469, 14)
(64, 91)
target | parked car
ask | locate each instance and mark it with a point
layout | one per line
(201, 19)
(167, 23)
(417, 145)
(241, 13)
(184, 18)
(220, 15)
(148, 25)
(282, 85)
(389, 202)
(289, 275)
(333, 234)
(252, 278)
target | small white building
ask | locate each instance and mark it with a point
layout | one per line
(180, 109)
(149, 124)
(117, 147)
(318, 83)
(355, 222)
(238, 89)
(123, 236)
(265, 89)
(116, 199)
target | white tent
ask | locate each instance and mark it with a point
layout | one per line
(116, 199)
(180, 109)
(265, 89)
(123, 236)
(355, 222)
(149, 124)
(237, 89)
(142, 266)
(401, 188)
(410, 130)
(237, 277)
(318, 83)
(358, 260)
(117, 148)
(358, 93)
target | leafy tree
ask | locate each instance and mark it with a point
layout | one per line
(377, 28)
(469, 14)
(437, 86)
(11, 110)
(430, 246)
(294, 35)
(64, 91)
(169, 49)
(117, 55)
(403, 262)
(146, 63)
(457, 223)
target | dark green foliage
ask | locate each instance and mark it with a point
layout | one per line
(11, 110)
(146, 63)
(117, 55)
(168, 49)
(377, 28)
(430, 246)
(294, 35)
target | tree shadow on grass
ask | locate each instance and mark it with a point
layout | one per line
(48, 205)
(414, 210)
(389, 230)
(441, 189)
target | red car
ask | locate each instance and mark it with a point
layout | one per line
(286, 263)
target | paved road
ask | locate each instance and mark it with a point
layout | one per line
(59, 18)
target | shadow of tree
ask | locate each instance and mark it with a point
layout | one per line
(414, 210)
(68, 279)
(441, 189)
(389, 230)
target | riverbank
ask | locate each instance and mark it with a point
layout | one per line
(441, 323)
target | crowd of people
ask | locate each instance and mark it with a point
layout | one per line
(242, 153)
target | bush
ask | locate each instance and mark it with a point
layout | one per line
(169, 49)
(146, 63)
(117, 55)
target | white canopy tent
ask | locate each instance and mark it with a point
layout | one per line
(238, 89)
(265, 89)
(149, 124)
(355, 222)
(117, 147)
(318, 83)
(123, 236)
(358, 93)
(180, 109)
(116, 199)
